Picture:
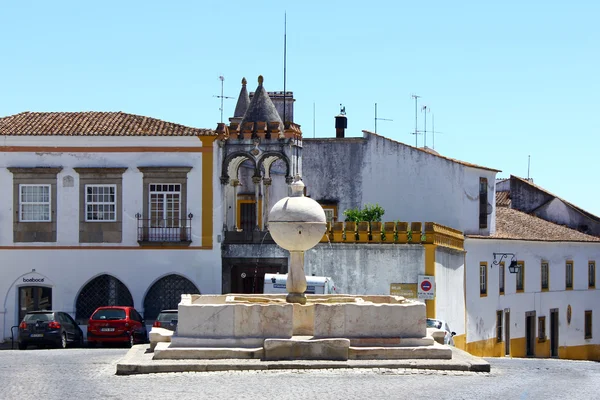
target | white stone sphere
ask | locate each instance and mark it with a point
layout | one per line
(297, 223)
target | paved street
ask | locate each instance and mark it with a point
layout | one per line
(90, 374)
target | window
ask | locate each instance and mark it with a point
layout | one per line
(588, 324)
(541, 329)
(483, 203)
(165, 217)
(34, 203)
(330, 212)
(100, 203)
(544, 273)
(592, 274)
(501, 277)
(521, 276)
(483, 279)
(100, 200)
(165, 205)
(569, 275)
(499, 325)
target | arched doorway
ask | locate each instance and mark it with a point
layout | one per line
(166, 294)
(105, 290)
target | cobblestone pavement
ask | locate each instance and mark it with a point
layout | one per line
(90, 373)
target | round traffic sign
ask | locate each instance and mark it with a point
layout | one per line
(426, 286)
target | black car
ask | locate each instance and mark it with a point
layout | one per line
(54, 328)
(167, 319)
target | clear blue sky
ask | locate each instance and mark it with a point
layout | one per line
(503, 80)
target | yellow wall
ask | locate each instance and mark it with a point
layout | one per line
(492, 348)
(584, 352)
(207, 191)
(486, 348)
(542, 349)
(430, 270)
(460, 341)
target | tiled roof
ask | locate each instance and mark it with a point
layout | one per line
(91, 123)
(467, 164)
(503, 199)
(517, 225)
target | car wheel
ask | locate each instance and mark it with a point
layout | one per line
(131, 340)
(22, 346)
(79, 342)
(63, 341)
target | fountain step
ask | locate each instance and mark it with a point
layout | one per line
(391, 342)
(163, 351)
(304, 348)
(434, 352)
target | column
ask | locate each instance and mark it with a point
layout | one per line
(224, 182)
(256, 180)
(267, 186)
(235, 183)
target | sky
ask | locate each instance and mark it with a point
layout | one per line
(511, 85)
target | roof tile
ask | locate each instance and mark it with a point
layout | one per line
(92, 123)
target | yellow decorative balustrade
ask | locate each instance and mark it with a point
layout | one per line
(394, 233)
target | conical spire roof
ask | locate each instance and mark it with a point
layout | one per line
(243, 102)
(261, 108)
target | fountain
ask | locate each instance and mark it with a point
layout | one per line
(298, 326)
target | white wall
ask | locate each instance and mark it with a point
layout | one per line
(411, 185)
(68, 265)
(449, 288)
(366, 269)
(481, 318)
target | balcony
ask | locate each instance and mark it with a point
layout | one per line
(164, 232)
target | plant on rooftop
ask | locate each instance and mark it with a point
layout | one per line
(369, 213)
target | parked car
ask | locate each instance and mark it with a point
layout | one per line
(116, 324)
(167, 319)
(443, 325)
(54, 328)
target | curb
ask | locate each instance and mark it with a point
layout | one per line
(139, 361)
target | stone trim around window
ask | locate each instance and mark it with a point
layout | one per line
(100, 231)
(164, 175)
(30, 232)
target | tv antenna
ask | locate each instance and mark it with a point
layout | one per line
(416, 132)
(425, 110)
(433, 131)
(380, 119)
(222, 78)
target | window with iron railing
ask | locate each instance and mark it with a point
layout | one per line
(164, 230)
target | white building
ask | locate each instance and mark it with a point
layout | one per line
(105, 208)
(549, 305)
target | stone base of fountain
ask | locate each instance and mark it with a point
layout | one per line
(327, 327)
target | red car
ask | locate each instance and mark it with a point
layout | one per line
(116, 324)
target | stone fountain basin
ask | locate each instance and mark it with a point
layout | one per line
(248, 320)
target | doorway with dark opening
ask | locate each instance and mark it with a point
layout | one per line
(34, 298)
(246, 275)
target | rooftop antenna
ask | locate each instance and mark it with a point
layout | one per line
(380, 119)
(433, 130)
(416, 132)
(284, 62)
(222, 78)
(528, 165)
(314, 120)
(425, 110)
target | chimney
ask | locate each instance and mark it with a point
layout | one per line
(341, 123)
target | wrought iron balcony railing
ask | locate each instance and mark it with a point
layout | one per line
(152, 230)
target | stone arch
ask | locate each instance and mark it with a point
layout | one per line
(232, 162)
(267, 159)
(104, 290)
(166, 293)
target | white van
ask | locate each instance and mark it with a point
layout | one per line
(275, 283)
